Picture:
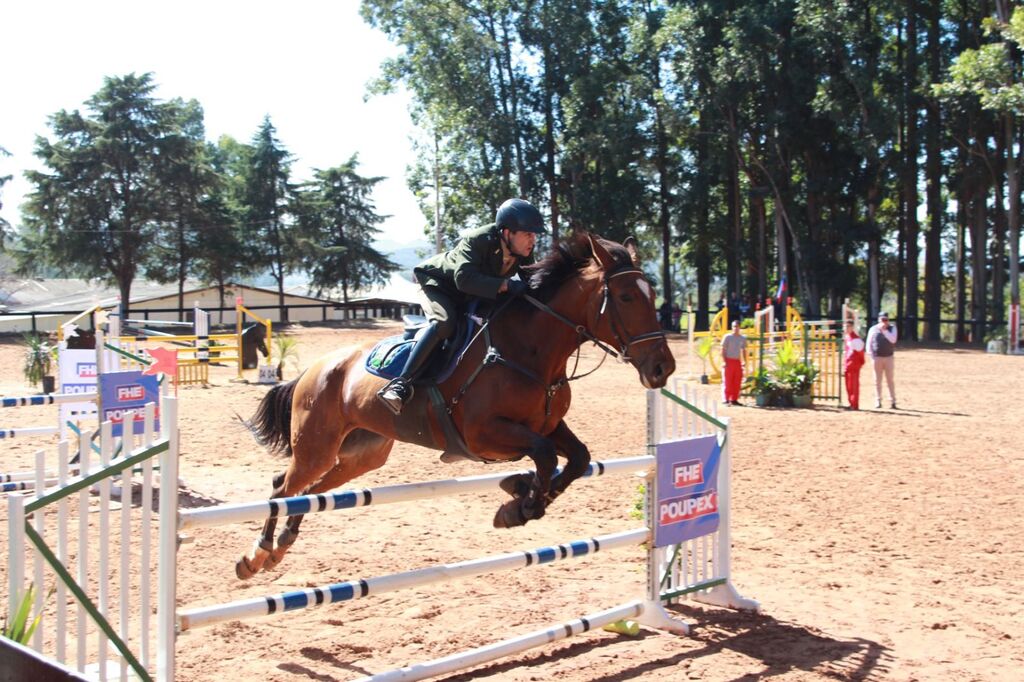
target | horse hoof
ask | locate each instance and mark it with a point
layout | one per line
(272, 561)
(509, 515)
(243, 569)
(517, 485)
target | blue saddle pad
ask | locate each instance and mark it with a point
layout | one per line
(387, 358)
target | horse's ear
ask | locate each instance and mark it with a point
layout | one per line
(601, 254)
(634, 253)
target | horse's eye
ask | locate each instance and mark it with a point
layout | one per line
(626, 298)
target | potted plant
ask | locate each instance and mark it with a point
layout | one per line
(704, 347)
(287, 349)
(39, 356)
(761, 384)
(799, 382)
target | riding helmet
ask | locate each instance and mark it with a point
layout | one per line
(519, 216)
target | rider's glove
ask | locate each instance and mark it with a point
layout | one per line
(517, 287)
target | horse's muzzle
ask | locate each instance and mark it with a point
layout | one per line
(656, 366)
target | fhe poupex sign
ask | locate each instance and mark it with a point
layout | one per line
(687, 489)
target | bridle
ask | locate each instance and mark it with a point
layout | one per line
(492, 356)
(619, 331)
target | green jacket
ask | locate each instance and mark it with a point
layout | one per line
(471, 268)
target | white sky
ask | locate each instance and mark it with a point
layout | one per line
(306, 64)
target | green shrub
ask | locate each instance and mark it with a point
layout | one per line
(19, 628)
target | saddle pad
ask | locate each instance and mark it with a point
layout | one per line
(387, 358)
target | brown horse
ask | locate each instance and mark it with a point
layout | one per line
(506, 398)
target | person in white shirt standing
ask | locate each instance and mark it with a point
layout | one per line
(734, 350)
(881, 346)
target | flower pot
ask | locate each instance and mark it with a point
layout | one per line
(802, 400)
(49, 384)
(762, 399)
(783, 400)
(703, 378)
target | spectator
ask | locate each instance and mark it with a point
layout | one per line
(734, 350)
(881, 346)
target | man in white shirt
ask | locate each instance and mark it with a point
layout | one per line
(734, 350)
(881, 346)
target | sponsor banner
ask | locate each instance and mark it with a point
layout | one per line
(77, 373)
(687, 490)
(121, 392)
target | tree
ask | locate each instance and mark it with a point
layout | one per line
(337, 223)
(5, 227)
(96, 209)
(268, 234)
(187, 183)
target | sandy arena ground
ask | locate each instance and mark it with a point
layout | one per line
(882, 545)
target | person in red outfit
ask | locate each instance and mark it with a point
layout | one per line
(853, 360)
(734, 349)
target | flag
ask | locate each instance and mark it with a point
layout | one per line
(164, 360)
(780, 293)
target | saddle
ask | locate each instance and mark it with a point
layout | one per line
(387, 360)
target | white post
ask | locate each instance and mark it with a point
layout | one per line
(16, 567)
(168, 545)
(62, 551)
(39, 523)
(145, 542)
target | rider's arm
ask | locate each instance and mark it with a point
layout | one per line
(474, 260)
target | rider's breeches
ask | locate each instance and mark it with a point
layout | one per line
(441, 309)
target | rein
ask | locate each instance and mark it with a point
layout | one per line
(492, 356)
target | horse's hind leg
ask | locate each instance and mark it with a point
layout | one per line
(314, 452)
(361, 451)
(249, 564)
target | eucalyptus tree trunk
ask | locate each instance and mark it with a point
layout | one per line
(960, 277)
(874, 254)
(978, 235)
(1003, 12)
(933, 185)
(911, 228)
(733, 212)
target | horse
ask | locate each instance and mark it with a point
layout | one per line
(506, 399)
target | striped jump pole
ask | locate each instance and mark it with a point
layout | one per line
(406, 492)
(47, 399)
(29, 431)
(358, 589)
(442, 666)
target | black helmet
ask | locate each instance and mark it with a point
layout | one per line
(519, 216)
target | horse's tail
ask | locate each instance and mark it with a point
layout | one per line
(272, 423)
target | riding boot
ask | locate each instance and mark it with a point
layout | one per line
(399, 390)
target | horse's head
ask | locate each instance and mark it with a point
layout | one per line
(256, 332)
(626, 317)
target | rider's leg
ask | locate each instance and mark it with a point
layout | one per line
(440, 311)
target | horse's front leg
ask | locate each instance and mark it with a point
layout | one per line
(577, 458)
(510, 440)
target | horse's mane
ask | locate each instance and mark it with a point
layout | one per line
(564, 262)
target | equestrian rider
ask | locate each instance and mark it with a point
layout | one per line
(481, 265)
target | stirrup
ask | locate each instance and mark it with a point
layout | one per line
(389, 395)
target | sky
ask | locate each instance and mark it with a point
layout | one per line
(305, 64)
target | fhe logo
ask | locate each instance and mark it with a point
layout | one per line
(688, 507)
(86, 369)
(131, 393)
(687, 474)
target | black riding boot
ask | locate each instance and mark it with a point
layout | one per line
(399, 390)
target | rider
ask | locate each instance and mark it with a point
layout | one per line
(480, 265)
